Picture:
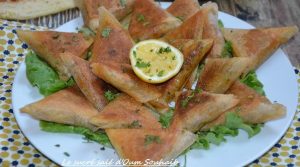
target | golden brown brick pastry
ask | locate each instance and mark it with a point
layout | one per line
(150, 21)
(125, 112)
(253, 107)
(153, 144)
(91, 86)
(258, 44)
(219, 73)
(123, 78)
(112, 42)
(183, 9)
(211, 29)
(195, 109)
(49, 45)
(90, 10)
(194, 52)
(68, 106)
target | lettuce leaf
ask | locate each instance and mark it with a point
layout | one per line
(217, 134)
(99, 136)
(41, 75)
(252, 81)
(227, 50)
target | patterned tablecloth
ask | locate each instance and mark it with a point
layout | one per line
(16, 150)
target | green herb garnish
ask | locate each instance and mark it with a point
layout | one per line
(252, 81)
(220, 24)
(164, 50)
(161, 73)
(149, 139)
(110, 96)
(123, 3)
(227, 50)
(141, 64)
(66, 154)
(105, 32)
(180, 18)
(135, 124)
(166, 118)
(87, 32)
(185, 102)
(140, 18)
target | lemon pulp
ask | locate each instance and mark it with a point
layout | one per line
(155, 61)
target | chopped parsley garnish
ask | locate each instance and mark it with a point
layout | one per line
(140, 18)
(86, 32)
(220, 24)
(135, 124)
(227, 50)
(180, 18)
(134, 53)
(66, 154)
(164, 50)
(141, 64)
(161, 73)
(173, 58)
(105, 32)
(166, 118)
(123, 3)
(185, 102)
(110, 96)
(149, 139)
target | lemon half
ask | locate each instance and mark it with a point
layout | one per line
(155, 61)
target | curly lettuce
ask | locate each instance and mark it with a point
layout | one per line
(99, 136)
(41, 75)
(252, 81)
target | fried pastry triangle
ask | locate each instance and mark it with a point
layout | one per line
(149, 21)
(68, 106)
(258, 44)
(219, 73)
(89, 10)
(253, 107)
(152, 144)
(192, 28)
(112, 42)
(211, 29)
(91, 86)
(193, 51)
(125, 112)
(195, 109)
(49, 45)
(123, 78)
(183, 9)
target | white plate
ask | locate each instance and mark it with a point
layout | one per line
(276, 74)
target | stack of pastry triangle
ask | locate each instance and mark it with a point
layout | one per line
(219, 73)
(89, 10)
(183, 9)
(258, 44)
(150, 21)
(68, 106)
(90, 85)
(132, 143)
(104, 48)
(49, 45)
(201, 108)
(253, 107)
